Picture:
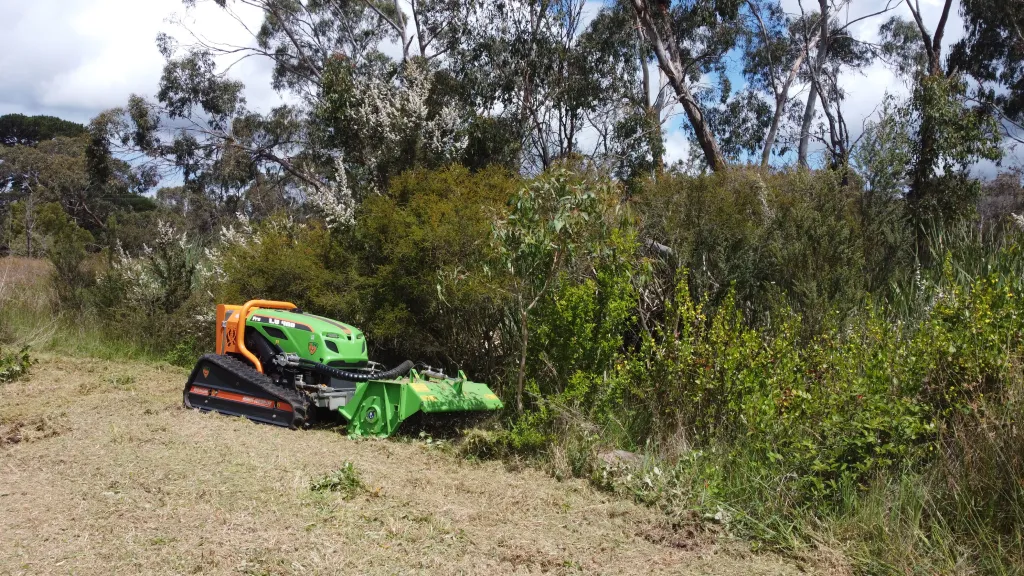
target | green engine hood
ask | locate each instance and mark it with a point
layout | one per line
(311, 337)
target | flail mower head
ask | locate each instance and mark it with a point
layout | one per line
(278, 365)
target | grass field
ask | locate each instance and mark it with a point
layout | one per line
(103, 472)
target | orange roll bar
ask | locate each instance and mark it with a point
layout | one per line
(243, 315)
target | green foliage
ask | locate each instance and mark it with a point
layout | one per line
(772, 434)
(344, 480)
(817, 410)
(552, 223)
(166, 288)
(14, 365)
(420, 247)
(18, 129)
(300, 263)
(545, 227)
(184, 353)
(991, 53)
(67, 254)
(793, 233)
(951, 137)
(580, 330)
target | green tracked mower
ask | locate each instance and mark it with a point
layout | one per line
(278, 365)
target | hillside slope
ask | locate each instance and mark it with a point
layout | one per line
(102, 472)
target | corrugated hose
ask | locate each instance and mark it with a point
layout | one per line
(332, 372)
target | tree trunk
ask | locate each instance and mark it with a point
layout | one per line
(420, 39)
(805, 125)
(819, 62)
(400, 25)
(29, 225)
(653, 115)
(646, 82)
(927, 156)
(524, 332)
(674, 71)
(780, 105)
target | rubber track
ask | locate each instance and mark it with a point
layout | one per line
(299, 402)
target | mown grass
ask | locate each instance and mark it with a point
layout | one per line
(146, 486)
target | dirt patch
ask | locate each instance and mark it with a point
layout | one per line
(688, 533)
(35, 429)
(133, 484)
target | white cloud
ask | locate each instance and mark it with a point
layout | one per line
(677, 146)
(75, 59)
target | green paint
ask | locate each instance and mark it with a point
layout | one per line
(311, 345)
(380, 406)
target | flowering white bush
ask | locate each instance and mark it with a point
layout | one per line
(333, 198)
(165, 274)
(392, 110)
(1018, 220)
(239, 233)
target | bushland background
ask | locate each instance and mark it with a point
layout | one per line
(802, 349)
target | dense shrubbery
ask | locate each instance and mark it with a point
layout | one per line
(774, 346)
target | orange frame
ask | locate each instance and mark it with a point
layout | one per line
(243, 315)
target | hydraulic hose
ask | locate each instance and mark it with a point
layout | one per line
(396, 372)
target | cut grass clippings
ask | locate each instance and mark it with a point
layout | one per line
(110, 475)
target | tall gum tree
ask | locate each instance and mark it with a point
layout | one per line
(687, 39)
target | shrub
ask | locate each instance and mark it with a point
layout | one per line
(67, 254)
(423, 289)
(14, 365)
(281, 259)
(166, 289)
(794, 233)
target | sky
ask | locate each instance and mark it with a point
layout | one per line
(76, 58)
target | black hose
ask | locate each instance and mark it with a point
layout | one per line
(396, 372)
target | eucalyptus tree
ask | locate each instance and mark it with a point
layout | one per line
(32, 173)
(950, 130)
(691, 38)
(992, 53)
(347, 98)
(831, 52)
(529, 66)
(301, 37)
(773, 55)
(631, 101)
(199, 130)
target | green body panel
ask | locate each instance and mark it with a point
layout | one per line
(310, 337)
(380, 406)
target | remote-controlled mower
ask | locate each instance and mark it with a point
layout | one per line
(276, 364)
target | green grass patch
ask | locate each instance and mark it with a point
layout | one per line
(345, 481)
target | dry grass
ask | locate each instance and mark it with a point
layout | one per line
(23, 277)
(27, 314)
(102, 472)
